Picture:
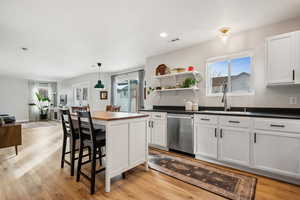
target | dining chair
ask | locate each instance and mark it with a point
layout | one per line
(88, 136)
(111, 108)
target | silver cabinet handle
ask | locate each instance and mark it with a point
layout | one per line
(221, 133)
(293, 74)
(277, 125)
(234, 122)
(158, 116)
(216, 132)
(254, 137)
(204, 119)
(152, 122)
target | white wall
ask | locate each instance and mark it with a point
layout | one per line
(65, 87)
(197, 55)
(14, 97)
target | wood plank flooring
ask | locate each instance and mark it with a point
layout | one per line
(35, 174)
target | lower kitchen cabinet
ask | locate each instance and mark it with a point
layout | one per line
(277, 152)
(206, 141)
(159, 133)
(234, 145)
(157, 129)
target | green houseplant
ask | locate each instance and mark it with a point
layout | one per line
(43, 105)
(189, 82)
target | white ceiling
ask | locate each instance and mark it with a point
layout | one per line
(66, 37)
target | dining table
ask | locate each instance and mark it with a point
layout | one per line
(126, 141)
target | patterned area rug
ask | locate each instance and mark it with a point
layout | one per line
(222, 182)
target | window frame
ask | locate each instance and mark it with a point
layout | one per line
(228, 58)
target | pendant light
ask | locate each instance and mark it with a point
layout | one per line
(99, 84)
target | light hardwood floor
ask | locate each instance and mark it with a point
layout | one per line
(35, 174)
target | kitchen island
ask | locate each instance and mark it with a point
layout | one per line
(126, 141)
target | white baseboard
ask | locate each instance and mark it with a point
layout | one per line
(279, 177)
(22, 120)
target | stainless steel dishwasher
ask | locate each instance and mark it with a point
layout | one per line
(181, 132)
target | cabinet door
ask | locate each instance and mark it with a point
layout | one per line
(206, 140)
(159, 132)
(297, 58)
(281, 59)
(137, 142)
(277, 152)
(149, 131)
(234, 145)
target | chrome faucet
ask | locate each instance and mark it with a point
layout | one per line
(224, 98)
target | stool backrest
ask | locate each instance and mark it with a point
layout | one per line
(86, 128)
(67, 123)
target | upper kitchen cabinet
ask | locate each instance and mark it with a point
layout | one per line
(283, 61)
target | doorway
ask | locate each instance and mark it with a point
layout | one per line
(127, 91)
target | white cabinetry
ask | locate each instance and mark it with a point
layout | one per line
(255, 144)
(137, 141)
(234, 140)
(206, 138)
(277, 152)
(282, 59)
(277, 146)
(157, 129)
(234, 144)
(159, 133)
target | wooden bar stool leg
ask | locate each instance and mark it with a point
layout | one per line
(93, 171)
(63, 151)
(89, 152)
(79, 162)
(72, 155)
(100, 156)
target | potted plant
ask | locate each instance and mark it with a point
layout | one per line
(43, 105)
(189, 82)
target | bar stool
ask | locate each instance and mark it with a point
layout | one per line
(71, 133)
(95, 140)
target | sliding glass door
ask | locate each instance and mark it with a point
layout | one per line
(126, 91)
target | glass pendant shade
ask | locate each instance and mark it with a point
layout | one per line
(99, 84)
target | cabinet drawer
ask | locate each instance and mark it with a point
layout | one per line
(277, 125)
(159, 115)
(206, 119)
(242, 122)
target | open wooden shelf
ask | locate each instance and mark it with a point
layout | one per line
(194, 73)
(178, 89)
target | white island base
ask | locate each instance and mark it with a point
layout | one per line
(126, 146)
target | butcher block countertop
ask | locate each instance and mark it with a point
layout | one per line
(110, 116)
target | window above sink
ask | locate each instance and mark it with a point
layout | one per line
(235, 70)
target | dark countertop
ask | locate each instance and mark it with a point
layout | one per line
(280, 113)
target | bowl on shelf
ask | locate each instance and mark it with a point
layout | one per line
(178, 70)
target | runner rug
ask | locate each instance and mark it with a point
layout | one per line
(219, 181)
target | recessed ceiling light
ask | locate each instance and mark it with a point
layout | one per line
(163, 34)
